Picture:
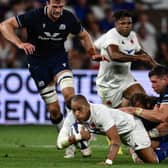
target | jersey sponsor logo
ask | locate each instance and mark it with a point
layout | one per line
(49, 36)
(62, 27)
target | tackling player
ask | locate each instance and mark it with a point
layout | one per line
(159, 79)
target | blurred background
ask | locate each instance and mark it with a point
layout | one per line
(19, 100)
(150, 23)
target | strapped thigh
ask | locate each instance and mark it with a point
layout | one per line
(65, 80)
(49, 94)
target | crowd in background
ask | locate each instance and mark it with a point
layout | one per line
(150, 23)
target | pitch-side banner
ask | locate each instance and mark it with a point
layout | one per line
(20, 102)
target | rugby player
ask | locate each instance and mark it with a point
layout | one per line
(113, 123)
(115, 83)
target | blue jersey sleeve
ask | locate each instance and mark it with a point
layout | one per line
(26, 19)
(76, 26)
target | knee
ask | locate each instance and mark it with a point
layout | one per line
(54, 110)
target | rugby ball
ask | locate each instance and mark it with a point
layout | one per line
(76, 128)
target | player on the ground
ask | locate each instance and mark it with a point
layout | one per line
(48, 28)
(115, 83)
(101, 119)
(159, 142)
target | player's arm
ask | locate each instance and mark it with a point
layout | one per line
(152, 61)
(113, 136)
(7, 28)
(116, 55)
(89, 46)
(160, 130)
(159, 115)
(65, 139)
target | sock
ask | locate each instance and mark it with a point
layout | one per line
(161, 153)
(58, 122)
(164, 145)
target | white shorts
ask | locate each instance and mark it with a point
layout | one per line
(138, 138)
(114, 95)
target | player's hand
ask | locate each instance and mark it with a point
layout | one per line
(85, 133)
(153, 63)
(148, 60)
(99, 58)
(27, 47)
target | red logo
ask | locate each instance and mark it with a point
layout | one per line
(132, 41)
(93, 125)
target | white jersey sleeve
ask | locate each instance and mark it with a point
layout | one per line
(65, 130)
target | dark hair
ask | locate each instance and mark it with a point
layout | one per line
(121, 14)
(158, 71)
(143, 100)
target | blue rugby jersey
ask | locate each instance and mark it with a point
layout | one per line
(48, 36)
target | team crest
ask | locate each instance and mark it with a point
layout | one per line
(41, 83)
(62, 27)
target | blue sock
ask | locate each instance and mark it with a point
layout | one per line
(164, 145)
(161, 153)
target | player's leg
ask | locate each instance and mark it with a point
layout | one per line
(66, 83)
(147, 155)
(133, 89)
(50, 97)
(44, 81)
(129, 92)
(140, 142)
(109, 96)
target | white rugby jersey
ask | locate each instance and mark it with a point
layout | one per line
(112, 73)
(101, 119)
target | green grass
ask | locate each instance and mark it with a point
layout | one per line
(34, 147)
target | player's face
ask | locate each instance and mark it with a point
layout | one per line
(80, 110)
(55, 8)
(159, 84)
(124, 26)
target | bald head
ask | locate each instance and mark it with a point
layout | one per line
(80, 98)
(57, 1)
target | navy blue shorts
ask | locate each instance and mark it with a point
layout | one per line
(43, 69)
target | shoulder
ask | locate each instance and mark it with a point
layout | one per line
(133, 33)
(113, 33)
(68, 13)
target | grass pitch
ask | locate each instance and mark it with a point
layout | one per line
(34, 147)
